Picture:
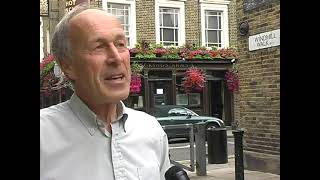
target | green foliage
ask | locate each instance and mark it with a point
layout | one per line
(136, 68)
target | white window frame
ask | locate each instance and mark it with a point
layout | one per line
(181, 22)
(41, 40)
(132, 17)
(216, 6)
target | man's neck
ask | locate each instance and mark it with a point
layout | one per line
(107, 112)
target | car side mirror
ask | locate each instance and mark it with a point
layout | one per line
(189, 115)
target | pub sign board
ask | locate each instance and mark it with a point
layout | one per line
(70, 4)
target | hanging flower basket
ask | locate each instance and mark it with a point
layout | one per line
(232, 80)
(194, 80)
(49, 82)
(135, 84)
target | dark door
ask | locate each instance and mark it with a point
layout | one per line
(160, 93)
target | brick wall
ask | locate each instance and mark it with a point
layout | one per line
(193, 26)
(257, 104)
(145, 20)
(233, 25)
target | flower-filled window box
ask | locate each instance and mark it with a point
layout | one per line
(145, 50)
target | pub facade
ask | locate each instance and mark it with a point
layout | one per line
(162, 84)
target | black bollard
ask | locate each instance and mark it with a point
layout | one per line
(238, 153)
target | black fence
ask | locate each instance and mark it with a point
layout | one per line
(55, 97)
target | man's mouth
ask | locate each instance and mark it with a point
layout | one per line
(115, 77)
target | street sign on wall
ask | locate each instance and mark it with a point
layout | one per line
(264, 40)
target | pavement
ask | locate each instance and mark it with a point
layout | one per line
(227, 171)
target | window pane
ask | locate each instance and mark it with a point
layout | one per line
(212, 22)
(212, 36)
(168, 34)
(168, 20)
(219, 36)
(219, 23)
(120, 12)
(126, 28)
(160, 20)
(161, 32)
(176, 34)
(176, 20)
(211, 13)
(119, 6)
(167, 10)
(128, 41)
(121, 18)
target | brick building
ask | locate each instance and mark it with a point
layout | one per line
(141, 20)
(257, 105)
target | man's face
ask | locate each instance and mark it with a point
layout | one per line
(100, 64)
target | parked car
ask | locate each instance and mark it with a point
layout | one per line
(178, 115)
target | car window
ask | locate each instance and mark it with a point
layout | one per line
(191, 112)
(177, 112)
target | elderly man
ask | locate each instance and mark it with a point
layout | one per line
(93, 136)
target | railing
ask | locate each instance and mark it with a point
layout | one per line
(197, 147)
(191, 135)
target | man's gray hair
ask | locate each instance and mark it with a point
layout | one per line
(60, 44)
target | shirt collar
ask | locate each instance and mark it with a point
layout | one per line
(89, 119)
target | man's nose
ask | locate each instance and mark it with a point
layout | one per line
(113, 55)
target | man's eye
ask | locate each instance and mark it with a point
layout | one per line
(99, 46)
(120, 44)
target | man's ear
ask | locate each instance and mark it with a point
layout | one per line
(68, 68)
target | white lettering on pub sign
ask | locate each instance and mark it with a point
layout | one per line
(70, 4)
(264, 40)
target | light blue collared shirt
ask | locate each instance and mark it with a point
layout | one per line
(75, 146)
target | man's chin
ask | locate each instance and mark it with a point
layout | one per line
(118, 96)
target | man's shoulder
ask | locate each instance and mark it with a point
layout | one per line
(54, 112)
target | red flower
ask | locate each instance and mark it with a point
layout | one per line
(135, 84)
(232, 81)
(194, 80)
(45, 61)
(160, 52)
(213, 54)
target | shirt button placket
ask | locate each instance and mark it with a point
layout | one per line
(117, 159)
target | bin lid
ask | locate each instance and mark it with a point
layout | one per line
(217, 129)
